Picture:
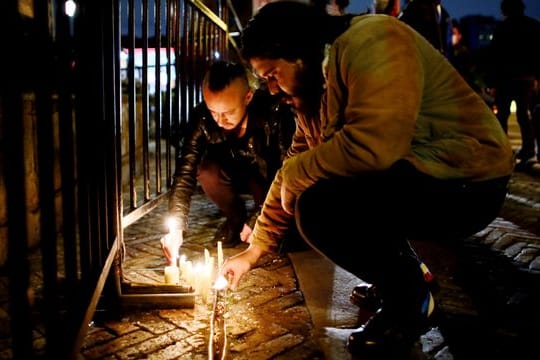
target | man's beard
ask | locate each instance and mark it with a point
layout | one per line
(307, 95)
(237, 129)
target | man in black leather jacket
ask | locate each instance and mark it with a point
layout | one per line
(233, 145)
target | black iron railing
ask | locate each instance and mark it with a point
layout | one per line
(88, 107)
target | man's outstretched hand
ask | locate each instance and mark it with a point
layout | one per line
(170, 244)
(236, 266)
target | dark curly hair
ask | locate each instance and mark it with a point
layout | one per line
(292, 31)
(285, 29)
(221, 73)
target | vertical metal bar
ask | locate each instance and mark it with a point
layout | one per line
(112, 185)
(201, 63)
(117, 13)
(145, 102)
(190, 34)
(67, 155)
(83, 202)
(169, 102)
(158, 111)
(45, 160)
(226, 9)
(177, 102)
(184, 64)
(204, 50)
(13, 29)
(132, 105)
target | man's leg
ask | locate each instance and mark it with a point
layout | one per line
(536, 126)
(375, 214)
(502, 103)
(218, 186)
(524, 100)
(357, 224)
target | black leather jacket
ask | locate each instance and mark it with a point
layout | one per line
(268, 136)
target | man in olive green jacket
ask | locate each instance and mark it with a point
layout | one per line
(391, 144)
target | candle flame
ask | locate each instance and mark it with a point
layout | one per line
(171, 223)
(220, 283)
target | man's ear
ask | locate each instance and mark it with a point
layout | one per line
(249, 96)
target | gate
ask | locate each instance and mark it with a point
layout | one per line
(91, 92)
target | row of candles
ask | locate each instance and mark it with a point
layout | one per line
(200, 276)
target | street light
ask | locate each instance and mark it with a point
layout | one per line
(70, 7)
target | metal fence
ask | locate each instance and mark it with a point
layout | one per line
(89, 105)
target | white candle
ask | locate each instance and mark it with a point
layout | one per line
(172, 274)
(198, 276)
(189, 273)
(211, 271)
(208, 275)
(182, 266)
(219, 255)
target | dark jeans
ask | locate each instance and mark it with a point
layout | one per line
(224, 183)
(522, 92)
(535, 116)
(363, 223)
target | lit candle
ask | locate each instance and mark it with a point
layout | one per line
(220, 283)
(206, 256)
(172, 274)
(182, 266)
(188, 266)
(208, 275)
(198, 276)
(173, 239)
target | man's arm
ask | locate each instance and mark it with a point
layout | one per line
(184, 179)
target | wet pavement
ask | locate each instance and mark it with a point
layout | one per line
(294, 305)
(266, 316)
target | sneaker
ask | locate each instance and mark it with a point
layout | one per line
(228, 236)
(525, 156)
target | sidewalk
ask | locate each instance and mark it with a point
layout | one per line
(295, 305)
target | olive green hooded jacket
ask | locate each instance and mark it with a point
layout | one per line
(389, 96)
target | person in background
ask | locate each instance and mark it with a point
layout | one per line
(535, 116)
(332, 7)
(233, 145)
(464, 61)
(391, 144)
(388, 7)
(430, 18)
(515, 64)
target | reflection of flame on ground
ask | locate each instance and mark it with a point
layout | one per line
(217, 342)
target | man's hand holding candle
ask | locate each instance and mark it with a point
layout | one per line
(236, 266)
(172, 242)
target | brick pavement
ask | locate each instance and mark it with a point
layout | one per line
(267, 317)
(493, 310)
(255, 331)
